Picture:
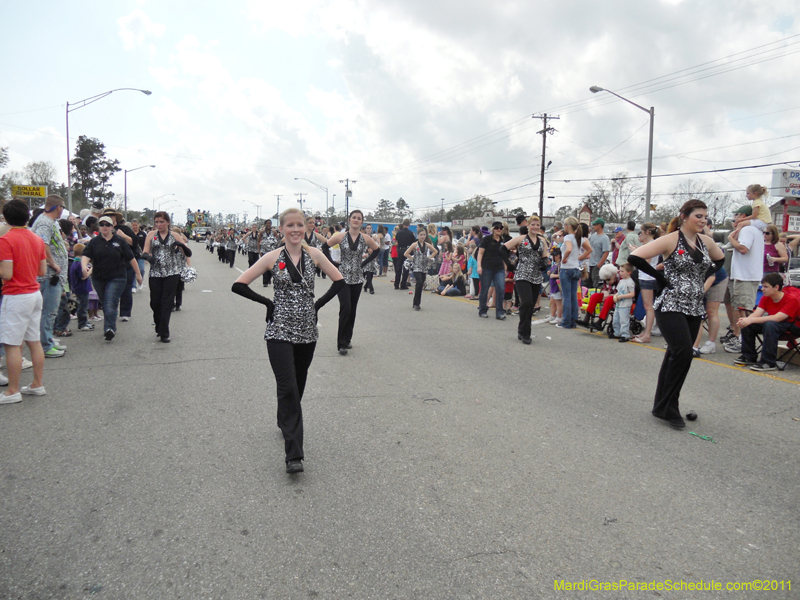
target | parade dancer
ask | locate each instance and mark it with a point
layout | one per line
(267, 242)
(313, 238)
(291, 333)
(418, 253)
(532, 258)
(690, 258)
(353, 246)
(160, 250)
(251, 243)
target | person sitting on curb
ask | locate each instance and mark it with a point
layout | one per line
(777, 313)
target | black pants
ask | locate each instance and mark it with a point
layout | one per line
(419, 278)
(400, 274)
(162, 299)
(528, 292)
(679, 331)
(290, 364)
(179, 293)
(252, 258)
(230, 255)
(221, 253)
(348, 303)
(126, 300)
(368, 284)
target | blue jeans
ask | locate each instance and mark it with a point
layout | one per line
(140, 261)
(772, 331)
(51, 296)
(570, 279)
(498, 280)
(126, 301)
(62, 315)
(83, 309)
(622, 321)
(109, 293)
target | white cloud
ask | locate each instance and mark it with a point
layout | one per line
(135, 28)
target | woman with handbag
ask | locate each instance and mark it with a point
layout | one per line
(161, 250)
(533, 255)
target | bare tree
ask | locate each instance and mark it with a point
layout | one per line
(41, 172)
(618, 199)
(720, 206)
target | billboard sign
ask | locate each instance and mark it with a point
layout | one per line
(29, 191)
(785, 183)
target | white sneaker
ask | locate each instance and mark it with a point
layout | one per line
(3, 379)
(5, 399)
(26, 364)
(134, 290)
(125, 319)
(656, 331)
(27, 390)
(708, 348)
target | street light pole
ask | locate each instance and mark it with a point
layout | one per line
(594, 89)
(76, 106)
(126, 185)
(324, 189)
(347, 195)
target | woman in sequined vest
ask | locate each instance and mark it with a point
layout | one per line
(161, 250)
(291, 322)
(533, 253)
(420, 253)
(690, 258)
(352, 245)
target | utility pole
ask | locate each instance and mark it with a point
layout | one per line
(278, 196)
(300, 200)
(545, 130)
(347, 195)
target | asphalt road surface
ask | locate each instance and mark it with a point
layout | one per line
(444, 460)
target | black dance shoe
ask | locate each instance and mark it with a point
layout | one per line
(294, 466)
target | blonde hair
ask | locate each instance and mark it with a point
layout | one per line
(432, 231)
(294, 211)
(759, 190)
(576, 229)
(291, 211)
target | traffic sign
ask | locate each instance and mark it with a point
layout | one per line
(29, 191)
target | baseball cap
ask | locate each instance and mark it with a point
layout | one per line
(599, 221)
(745, 210)
(106, 219)
(97, 205)
(618, 229)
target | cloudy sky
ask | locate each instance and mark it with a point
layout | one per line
(424, 100)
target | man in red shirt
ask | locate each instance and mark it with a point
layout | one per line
(777, 312)
(22, 260)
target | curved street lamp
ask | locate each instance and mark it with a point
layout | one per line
(594, 89)
(126, 184)
(80, 104)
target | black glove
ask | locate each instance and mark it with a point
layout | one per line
(149, 257)
(712, 270)
(645, 267)
(336, 286)
(244, 290)
(181, 246)
(373, 255)
(326, 250)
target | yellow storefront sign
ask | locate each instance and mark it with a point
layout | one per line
(29, 191)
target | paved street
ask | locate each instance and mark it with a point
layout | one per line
(444, 459)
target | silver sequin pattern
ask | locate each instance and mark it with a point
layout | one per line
(167, 261)
(530, 261)
(350, 262)
(294, 319)
(687, 278)
(419, 259)
(268, 243)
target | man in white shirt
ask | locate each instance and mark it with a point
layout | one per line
(747, 266)
(628, 244)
